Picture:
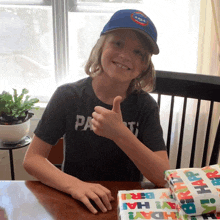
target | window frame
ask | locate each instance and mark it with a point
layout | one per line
(31, 2)
(98, 7)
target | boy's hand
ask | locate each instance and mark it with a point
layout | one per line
(108, 123)
(85, 192)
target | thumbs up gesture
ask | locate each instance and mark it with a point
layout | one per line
(108, 123)
(116, 104)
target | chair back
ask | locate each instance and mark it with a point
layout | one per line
(195, 87)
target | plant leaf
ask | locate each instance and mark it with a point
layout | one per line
(15, 95)
(34, 100)
(24, 91)
(26, 98)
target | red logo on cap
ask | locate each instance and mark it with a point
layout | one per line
(140, 18)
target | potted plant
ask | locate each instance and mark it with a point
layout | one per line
(15, 114)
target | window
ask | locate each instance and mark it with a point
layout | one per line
(40, 52)
(26, 48)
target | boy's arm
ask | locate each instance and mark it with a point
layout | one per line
(151, 164)
(109, 124)
(37, 165)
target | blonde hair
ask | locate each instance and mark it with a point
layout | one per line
(93, 66)
(144, 81)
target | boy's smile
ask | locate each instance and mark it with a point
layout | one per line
(121, 65)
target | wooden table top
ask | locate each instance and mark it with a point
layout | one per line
(33, 200)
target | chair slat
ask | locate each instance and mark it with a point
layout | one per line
(170, 125)
(204, 158)
(159, 100)
(192, 157)
(216, 147)
(179, 156)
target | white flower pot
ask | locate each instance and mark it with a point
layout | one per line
(12, 134)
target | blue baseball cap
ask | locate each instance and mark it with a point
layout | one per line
(135, 20)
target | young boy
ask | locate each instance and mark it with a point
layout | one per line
(110, 125)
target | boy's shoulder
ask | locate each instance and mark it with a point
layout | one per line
(73, 90)
(76, 85)
(146, 98)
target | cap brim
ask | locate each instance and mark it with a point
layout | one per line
(154, 46)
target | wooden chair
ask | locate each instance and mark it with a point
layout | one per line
(56, 154)
(196, 86)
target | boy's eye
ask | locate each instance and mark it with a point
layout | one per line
(118, 43)
(141, 54)
(138, 52)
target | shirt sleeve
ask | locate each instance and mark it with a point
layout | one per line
(152, 133)
(52, 125)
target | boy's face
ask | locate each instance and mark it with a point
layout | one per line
(123, 56)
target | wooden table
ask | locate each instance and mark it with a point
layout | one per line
(33, 200)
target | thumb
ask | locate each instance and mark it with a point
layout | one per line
(116, 104)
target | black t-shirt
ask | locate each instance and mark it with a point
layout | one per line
(88, 156)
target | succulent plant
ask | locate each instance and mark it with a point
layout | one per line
(15, 109)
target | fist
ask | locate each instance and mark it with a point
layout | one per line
(108, 123)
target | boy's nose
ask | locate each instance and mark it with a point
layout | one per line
(125, 55)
